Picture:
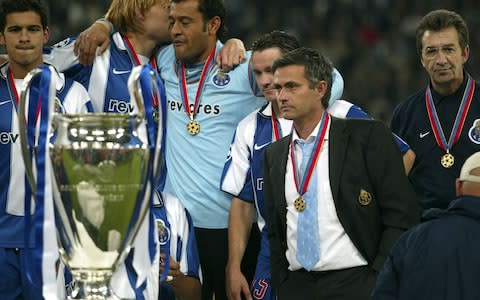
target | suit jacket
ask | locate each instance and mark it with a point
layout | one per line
(362, 156)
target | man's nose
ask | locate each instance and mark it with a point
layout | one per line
(24, 35)
(441, 58)
(175, 28)
(281, 95)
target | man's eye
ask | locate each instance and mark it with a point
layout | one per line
(290, 87)
(448, 50)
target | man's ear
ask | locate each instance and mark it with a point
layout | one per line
(466, 54)
(321, 88)
(46, 35)
(213, 25)
(458, 187)
(139, 15)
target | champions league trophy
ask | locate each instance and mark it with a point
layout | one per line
(102, 174)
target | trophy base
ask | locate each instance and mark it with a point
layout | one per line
(93, 286)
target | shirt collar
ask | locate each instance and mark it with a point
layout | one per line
(59, 77)
(266, 110)
(312, 135)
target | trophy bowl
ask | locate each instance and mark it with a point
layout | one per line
(100, 170)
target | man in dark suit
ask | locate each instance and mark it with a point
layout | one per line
(336, 194)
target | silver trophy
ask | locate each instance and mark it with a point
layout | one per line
(101, 166)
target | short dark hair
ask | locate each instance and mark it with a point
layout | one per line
(317, 67)
(14, 6)
(276, 39)
(440, 19)
(210, 9)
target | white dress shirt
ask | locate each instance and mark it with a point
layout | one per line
(336, 249)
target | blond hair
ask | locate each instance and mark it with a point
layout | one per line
(123, 13)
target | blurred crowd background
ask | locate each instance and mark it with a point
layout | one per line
(371, 42)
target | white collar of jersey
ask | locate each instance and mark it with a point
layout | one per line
(339, 108)
(59, 77)
(266, 110)
(118, 40)
(3, 70)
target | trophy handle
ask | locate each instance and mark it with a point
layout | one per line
(22, 121)
(143, 87)
(135, 89)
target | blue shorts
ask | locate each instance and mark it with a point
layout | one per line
(261, 287)
(14, 283)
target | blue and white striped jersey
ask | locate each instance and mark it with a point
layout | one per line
(73, 99)
(195, 163)
(107, 83)
(179, 233)
(242, 175)
(106, 80)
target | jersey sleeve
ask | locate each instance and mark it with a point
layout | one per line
(337, 86)
(397, 123)
(61, 55)
(77, 99)
(236, 173)
(344, 109)
(183, 244)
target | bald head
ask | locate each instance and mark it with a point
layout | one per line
(468, 184)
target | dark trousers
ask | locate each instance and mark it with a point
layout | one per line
(213, 251)
(14, 284)
(346, 284)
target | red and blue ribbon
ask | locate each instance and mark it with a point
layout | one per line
(459, 119)
(302, 185)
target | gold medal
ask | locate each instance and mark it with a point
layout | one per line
(447, 160)
(299, 204)
(193, 127)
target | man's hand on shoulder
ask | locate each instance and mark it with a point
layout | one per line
(92, 41)
(231, 55)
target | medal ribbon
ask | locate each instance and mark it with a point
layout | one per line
(209, 64)
(152, 88)
(42, 92)
(134, 56)
(459, 119)
(136, 61)
(12, 91)
(277, 129)
(322, 131)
